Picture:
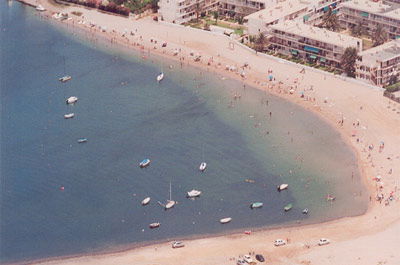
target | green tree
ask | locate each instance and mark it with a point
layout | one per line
(379, 36)
(330, 20)
(216, 16)
(348, 63)
(358, 30)
(260, 42)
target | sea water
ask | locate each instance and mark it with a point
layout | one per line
(59, 197)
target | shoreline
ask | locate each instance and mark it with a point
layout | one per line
(252, 79)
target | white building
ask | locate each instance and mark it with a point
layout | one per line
(181, 11)
(380, 64)
(311, 43)
(370, 14)
(275, 12)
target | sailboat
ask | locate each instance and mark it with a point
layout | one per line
(160, 77)
(203, 165)
(170, 203)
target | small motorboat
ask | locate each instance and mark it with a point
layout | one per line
(69, 116)
(65, 78)
(160, 77)
(225, 220)
(169, 204)
(82, 140)
(144, 163)
(305, 211)
(177, 244)
(146, 201)
(40, 8)
(255, 205)
(330, 198)
(193, 193)
(71, 100)
(154, 225)
(288, 207)
(203, 166)
(283, 187)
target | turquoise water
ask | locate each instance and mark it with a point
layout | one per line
(126, 116)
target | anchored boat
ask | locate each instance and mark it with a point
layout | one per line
(146, 201)
(193, 193)
(225, 220)
(288, 207)
(255, 205)
(203, 166)
(160, 77)
(283, 187)
(154, 225)
(144, 163)
(65, 78)
(71, 100)
(69, 116)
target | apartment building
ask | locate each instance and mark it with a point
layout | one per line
(275, 12)
(181, 11)
(241, 8)
(380, 64)
(311, 43)
(370, 14)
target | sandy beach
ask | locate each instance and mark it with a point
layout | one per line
(367, 121)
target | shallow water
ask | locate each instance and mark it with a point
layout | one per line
(187, 118)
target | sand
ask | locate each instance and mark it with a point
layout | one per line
(352, 107)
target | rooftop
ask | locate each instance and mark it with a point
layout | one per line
(395, 14)
(318, 34)
(382, 52)
(277, 10)
(369, 6)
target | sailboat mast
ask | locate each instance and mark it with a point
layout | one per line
(170, 191)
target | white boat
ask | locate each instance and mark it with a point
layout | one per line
(82, 140)
(65, 78)
(40, 8)
(170, 203)
(283, 187)
(69, 116)
(225, 220)
(146, 201)
(160, 77)
(203, 166)
(193, 193)
(256, 205)
(154, 225)
(71, 100)
(177, 244)
(144, 163)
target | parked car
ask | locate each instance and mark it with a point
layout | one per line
(177, 244)
(279, 242)
(323, 241)
(248, 259)
(260, 258)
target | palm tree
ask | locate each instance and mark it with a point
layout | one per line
(348, 63)
(197, 10)
(379, 36)
(330, 20)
